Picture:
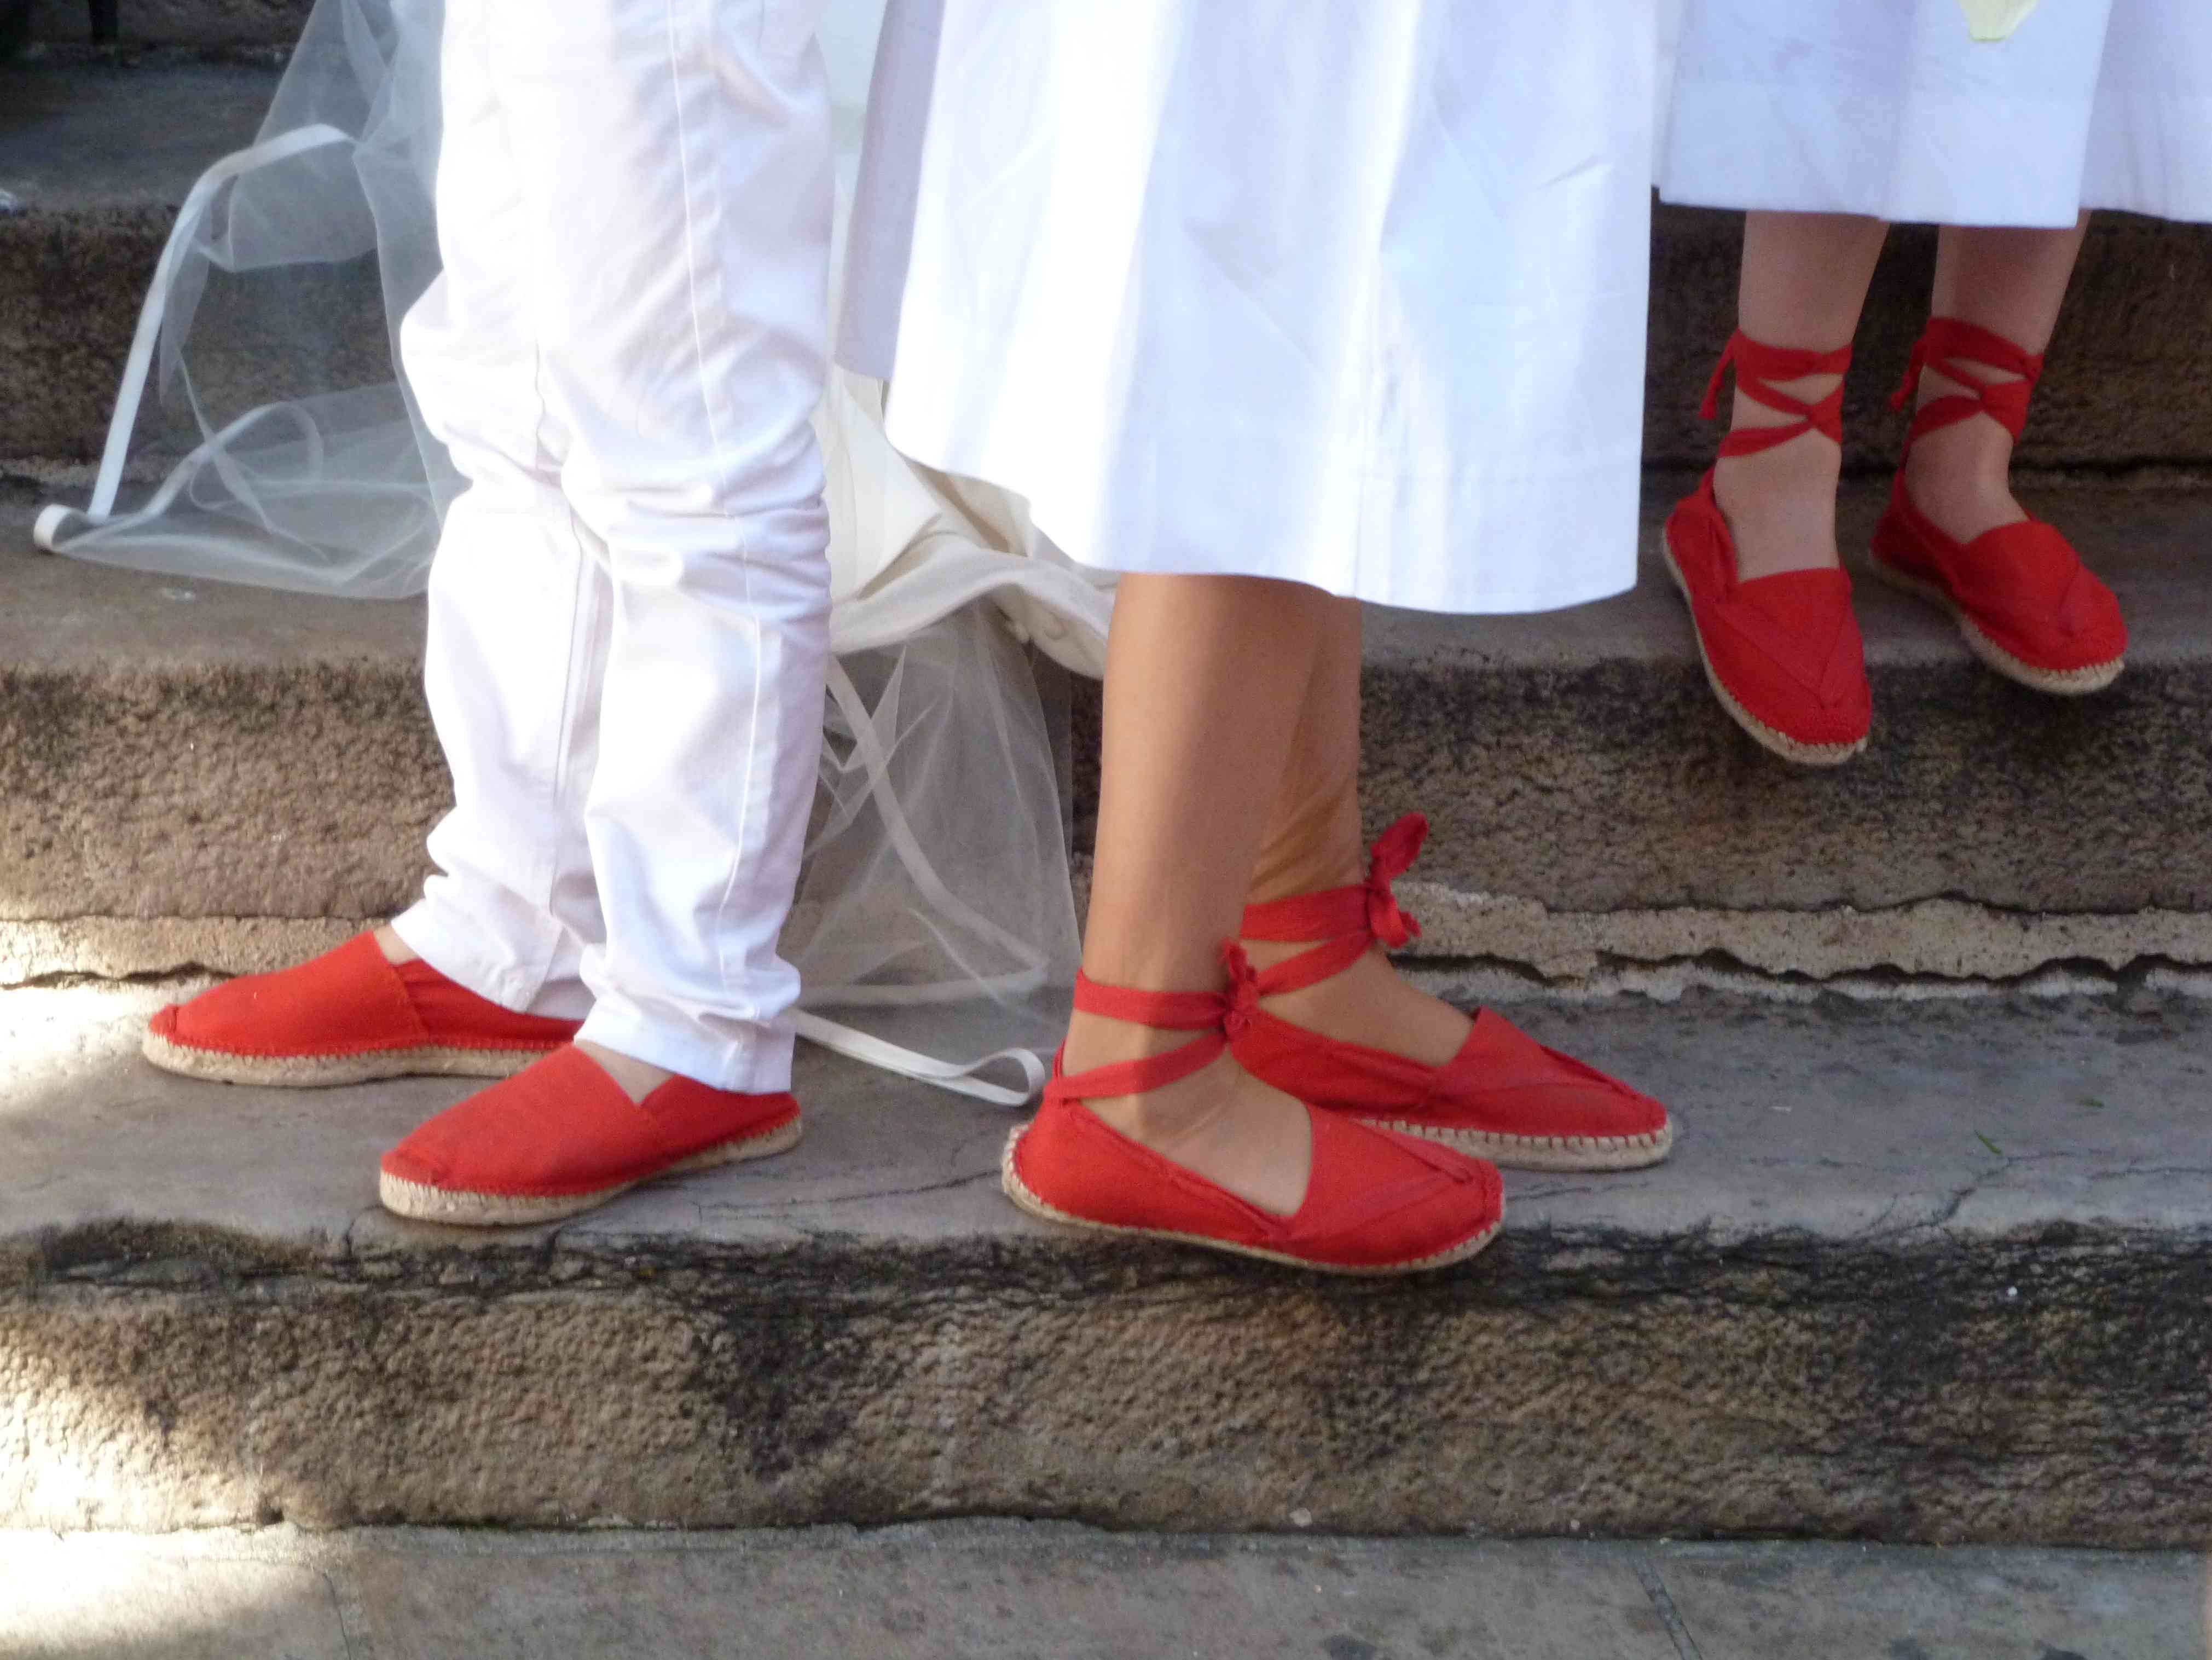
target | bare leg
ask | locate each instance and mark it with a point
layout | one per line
(1206, 677)
(1804, 284)
(1313, 841)
(2011, 282)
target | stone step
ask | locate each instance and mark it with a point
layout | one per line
(232, 24)
(1934, 1273)
(192, 773)
(1010, 1589)
(98, 149)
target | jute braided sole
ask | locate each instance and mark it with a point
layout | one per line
(1025, 1199)
(1543, 1152)
(328, 1071)
(2059, 683)
(1781, 744)
(424, 1203)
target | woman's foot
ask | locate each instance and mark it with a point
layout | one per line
(1162, 1136)
(1220, 1122)
(1339, 1027)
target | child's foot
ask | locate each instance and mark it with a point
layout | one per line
(1955, 535)
(348, 1017)
(1753, 552)
(564, 1136)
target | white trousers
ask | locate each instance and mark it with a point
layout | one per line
(628, 608)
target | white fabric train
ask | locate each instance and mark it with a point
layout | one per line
(1892, 108)
(934, 912)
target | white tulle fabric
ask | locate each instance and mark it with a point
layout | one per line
(263, 434)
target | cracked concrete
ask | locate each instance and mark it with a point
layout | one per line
(1936, 1273)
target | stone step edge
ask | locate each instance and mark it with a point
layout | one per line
(832, 1380)
(1518, 947)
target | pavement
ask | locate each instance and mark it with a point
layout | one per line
(1000, 1591)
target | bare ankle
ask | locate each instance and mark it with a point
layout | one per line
(396, 951)
(1781, 506)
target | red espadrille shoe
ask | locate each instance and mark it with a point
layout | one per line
(1375, 1203)
(562, 1136)
(2020, 595)
(1781, 653)
(347, 1017)
(1503, 1096)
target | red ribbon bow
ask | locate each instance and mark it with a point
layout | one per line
(1241, 1001)
(1393, 857)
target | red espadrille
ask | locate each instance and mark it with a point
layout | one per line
(1783, 653)
(2022, 597)
(1375, 1203)
(347, 1017)
(562, 1136)
(1503, 1096)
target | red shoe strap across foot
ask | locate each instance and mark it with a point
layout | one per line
(1948, 343)
(1349, 920)
(1222, 1016)
(1758, 366)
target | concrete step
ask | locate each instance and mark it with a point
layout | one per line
(1934, 1273)
(1012, 1590)
(231, 24)
(98, 149)
(199, 774)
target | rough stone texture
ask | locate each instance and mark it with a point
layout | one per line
(2128, 382)
(1927, 1274)
(173, 748)
(124, 948)
(185, 22)
(1941, 938)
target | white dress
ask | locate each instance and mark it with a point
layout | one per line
(1347, 294)
(1890, 108)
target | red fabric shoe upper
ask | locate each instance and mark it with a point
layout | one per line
(1786, 647)
(2022, 584)
(1501, 1082)
(1373, 1199)
(351, 1002)
(563, 1127)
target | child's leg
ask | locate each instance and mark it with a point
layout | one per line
(676, 161)
(1206, 677)
(519, 608)
(2011, 282)
(1803, 285)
